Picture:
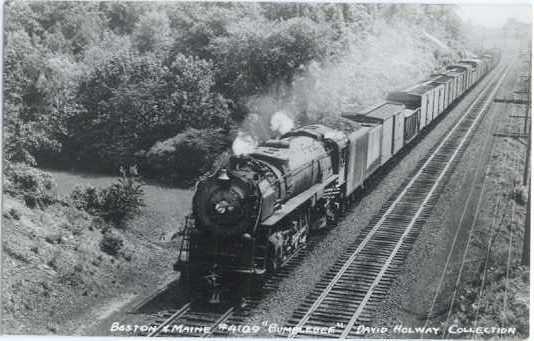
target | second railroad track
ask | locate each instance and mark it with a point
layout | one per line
(351, 290)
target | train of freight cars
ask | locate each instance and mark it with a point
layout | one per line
(256, 211)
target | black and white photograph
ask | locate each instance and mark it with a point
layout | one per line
(278, 169)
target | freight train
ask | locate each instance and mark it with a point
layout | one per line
(256, 211)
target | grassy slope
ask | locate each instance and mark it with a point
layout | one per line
(55, 277)
(165, 206)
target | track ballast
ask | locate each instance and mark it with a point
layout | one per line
(349, 293)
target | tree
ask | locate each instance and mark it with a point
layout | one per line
(256, 55)
(152, 32)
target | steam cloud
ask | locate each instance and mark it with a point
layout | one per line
(393, 56)
(281, 122)
(244, 143)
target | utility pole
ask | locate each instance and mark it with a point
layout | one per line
(526, 125)
(525, 257)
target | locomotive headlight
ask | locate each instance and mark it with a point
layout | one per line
(223, 207)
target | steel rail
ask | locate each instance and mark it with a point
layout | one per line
(428, 169)
(178, 314)
(480, 171)
(186, 312)
(418, 213)
(220, 320)
(444, 272)
(235, 313)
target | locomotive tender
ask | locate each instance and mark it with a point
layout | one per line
(253, 214)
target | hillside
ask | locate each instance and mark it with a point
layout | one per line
(53, 253)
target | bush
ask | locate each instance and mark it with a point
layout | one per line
(35, 187)
(111, 244)
(186, 155)
(86, 198)
(116, 203)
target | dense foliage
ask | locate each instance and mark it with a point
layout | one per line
(103, 84)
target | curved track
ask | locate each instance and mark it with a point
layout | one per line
(349, 293)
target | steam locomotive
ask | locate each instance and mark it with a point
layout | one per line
(256, 211)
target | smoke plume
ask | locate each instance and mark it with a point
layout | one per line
(390, 57)
(281, 122)
(244, 143)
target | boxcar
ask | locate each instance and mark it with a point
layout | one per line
(389, 116)
(452, 85)
(419, 96)
(477, 68)
(458, 81)
(470, 70)
(466, 71)
(411, 124)
(363, 155)
(439, 98)
(487, 62)
(448, 82)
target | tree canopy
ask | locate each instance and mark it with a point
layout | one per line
(98, 84)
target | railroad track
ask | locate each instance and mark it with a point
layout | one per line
(201, 321)
(351, 290)
(194, 320)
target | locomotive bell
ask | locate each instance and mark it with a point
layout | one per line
(223, 175)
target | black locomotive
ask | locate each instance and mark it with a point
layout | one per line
(253, 214)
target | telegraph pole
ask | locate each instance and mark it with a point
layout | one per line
(525, 257)
(527, 116)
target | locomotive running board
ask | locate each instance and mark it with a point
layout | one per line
(292, 204)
